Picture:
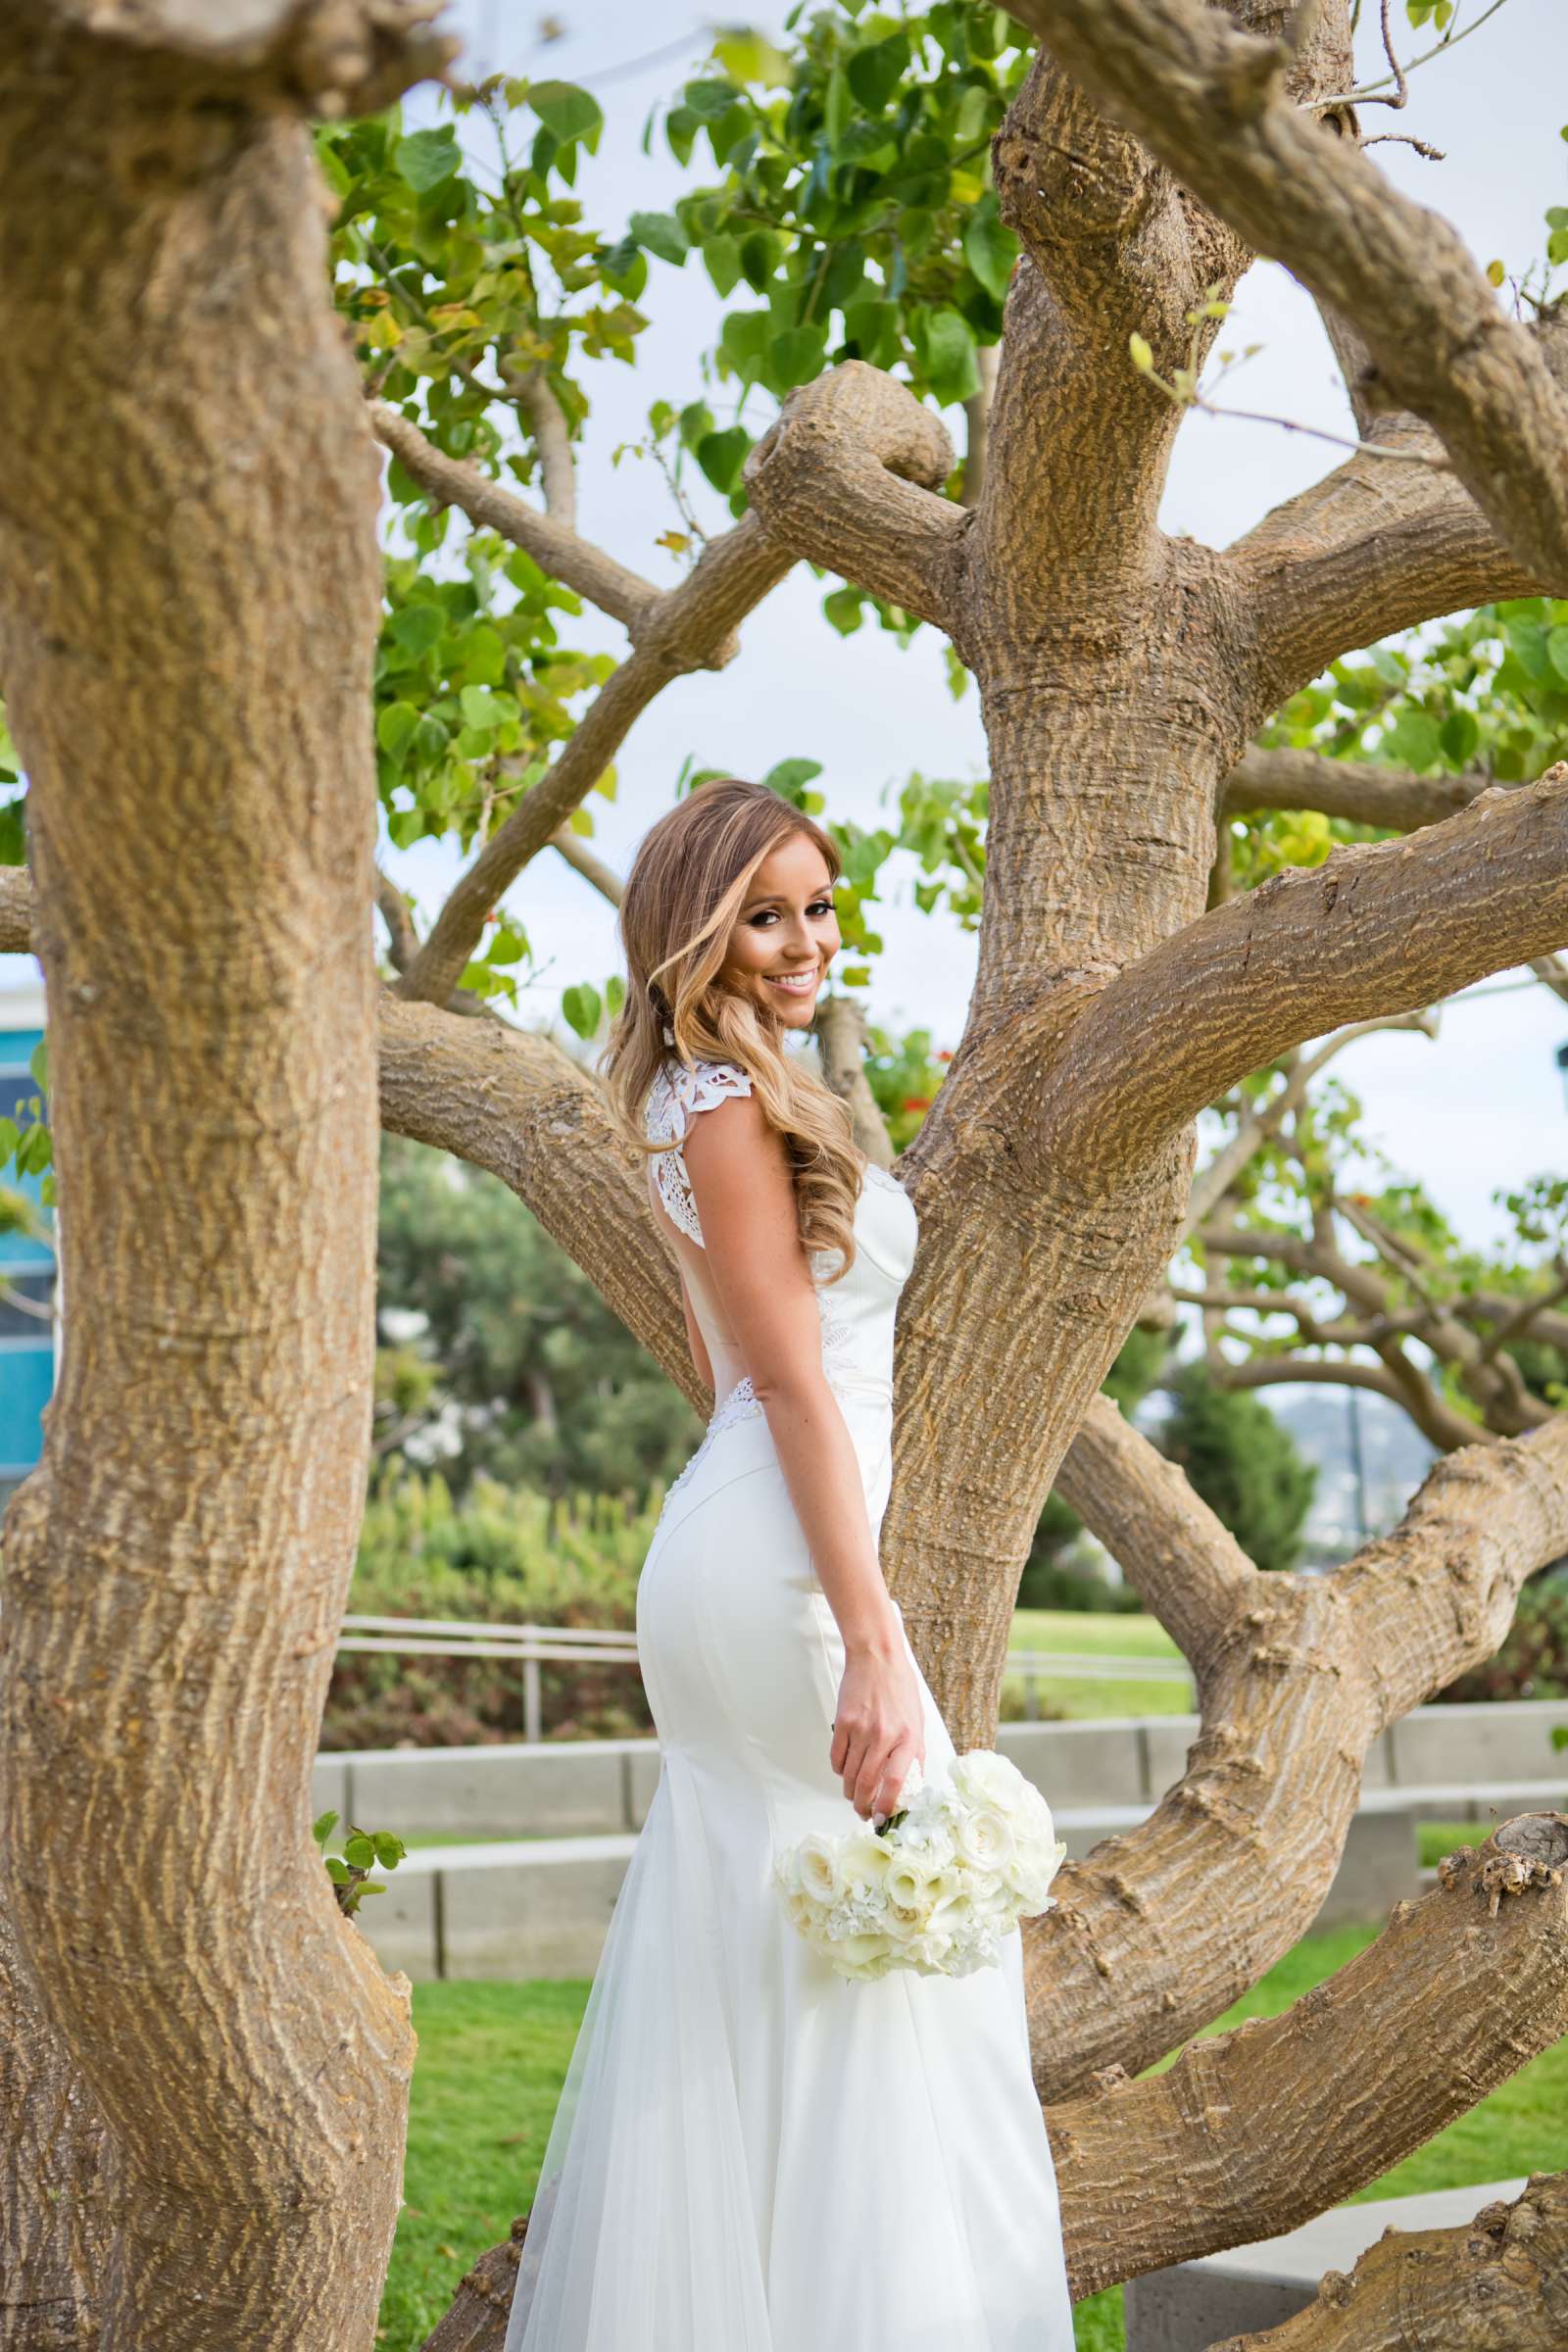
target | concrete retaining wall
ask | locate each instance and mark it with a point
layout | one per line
(566, 1789)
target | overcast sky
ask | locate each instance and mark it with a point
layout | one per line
(1484, 1105)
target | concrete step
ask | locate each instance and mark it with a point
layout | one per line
(540, 1906)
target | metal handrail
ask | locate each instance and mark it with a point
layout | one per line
(533, 1644)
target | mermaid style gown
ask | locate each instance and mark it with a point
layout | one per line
(752, 2153)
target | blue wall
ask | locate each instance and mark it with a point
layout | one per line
(26, 1341)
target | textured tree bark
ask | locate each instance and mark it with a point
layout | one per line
(55, 2225)
(190, 591)
(189, 600)
(1500, 2282)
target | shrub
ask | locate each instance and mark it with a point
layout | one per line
(1532, 1662)
(501, 1556)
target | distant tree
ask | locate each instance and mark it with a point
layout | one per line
(519, 1364)
(1244, 1464)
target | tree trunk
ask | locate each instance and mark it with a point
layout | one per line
(190, 579)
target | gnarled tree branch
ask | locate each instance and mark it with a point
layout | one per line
(552, 544)
(1209, 100)
(1357, 791)
(847, 476)
(1253, 2131)
(689, 627)
(1379, 928)
(1501, 2278)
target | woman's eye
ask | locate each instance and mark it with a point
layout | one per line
(817, 906)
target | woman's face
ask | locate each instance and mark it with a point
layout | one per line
(786, 933)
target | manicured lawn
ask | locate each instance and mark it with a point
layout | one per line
(1090, 1632)
(492, 2058)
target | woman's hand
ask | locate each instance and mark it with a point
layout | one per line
(879, 1728)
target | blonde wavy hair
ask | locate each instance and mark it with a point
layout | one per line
(688, 883)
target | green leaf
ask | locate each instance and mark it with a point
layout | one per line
(744, 341)
(722, 455)
(395, 729)
(682, 127)
(843, 276)
(795, 357)
(416, 627)
(1557, 651)
(788, 775)
(338, 1870)
(426, 158)
(696, 420)
(875, 73)
(707, 100)
(874, 328)
(358, 1851)
(321, 1828)
(485, 657)
(843, 609)
(389, 1849)
(582, 1007)
(1461, 735)
(836, 113)
(722, 258)
(947, 355)
(660, 233)
(568, 111)
(1414, 741)
(485, 711)
(760, 253)
(989, 248)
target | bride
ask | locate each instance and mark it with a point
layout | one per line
(753, 2153)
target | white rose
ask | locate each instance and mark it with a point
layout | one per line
(983, 1779)
(906, 1880)
(818, 1865)
(787, 1872)
(1031, 1872)
(1033, 1817)
(984, 1839)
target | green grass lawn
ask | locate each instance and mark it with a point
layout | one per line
(492, 2058)
(1088, 1632)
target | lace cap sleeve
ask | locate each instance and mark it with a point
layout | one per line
(675, 1098)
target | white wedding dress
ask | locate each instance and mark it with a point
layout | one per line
(751, 2152)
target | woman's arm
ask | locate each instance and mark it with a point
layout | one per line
(745, 1198)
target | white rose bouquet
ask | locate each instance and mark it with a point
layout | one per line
(938, 1884)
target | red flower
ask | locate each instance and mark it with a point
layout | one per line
(944, 1057)
(917, 1101)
